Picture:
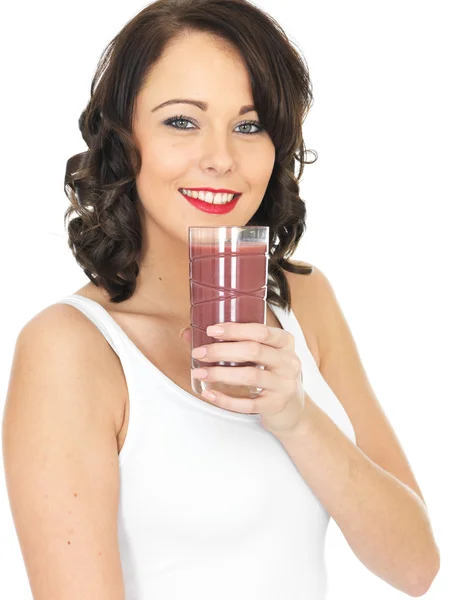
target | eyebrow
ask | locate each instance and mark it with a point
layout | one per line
(200, 104)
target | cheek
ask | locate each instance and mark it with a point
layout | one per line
(259, 167)
(163, 165)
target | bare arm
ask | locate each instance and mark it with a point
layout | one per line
(368, 487)
(60, 457)
(385, 522)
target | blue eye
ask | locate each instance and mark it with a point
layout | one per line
(183, 119)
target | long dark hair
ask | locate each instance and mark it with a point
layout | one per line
(106, 235)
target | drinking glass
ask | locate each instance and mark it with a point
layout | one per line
(228, 283)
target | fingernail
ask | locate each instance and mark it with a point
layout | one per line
(182, 331)
(214, 330)
(199, 352)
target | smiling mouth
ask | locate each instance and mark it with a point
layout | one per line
(207, 194)
(209, 207)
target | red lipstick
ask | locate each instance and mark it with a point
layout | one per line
(219, 209)
(207, 189)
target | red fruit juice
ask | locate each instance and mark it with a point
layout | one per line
(226, 287)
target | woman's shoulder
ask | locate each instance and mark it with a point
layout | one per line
(62, 330)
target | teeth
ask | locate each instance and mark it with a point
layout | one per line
(209, 197)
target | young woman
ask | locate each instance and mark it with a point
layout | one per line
(123, 483)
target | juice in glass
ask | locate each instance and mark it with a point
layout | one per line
(228, 283)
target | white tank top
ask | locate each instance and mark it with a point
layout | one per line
(211, 504)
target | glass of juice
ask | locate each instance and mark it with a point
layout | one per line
(228, 283)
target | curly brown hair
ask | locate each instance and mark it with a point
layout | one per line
(106, 235)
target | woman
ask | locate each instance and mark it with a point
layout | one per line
(122, 482)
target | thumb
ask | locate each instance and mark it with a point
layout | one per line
(185, 334)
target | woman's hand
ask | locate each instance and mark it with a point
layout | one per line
(281, 401)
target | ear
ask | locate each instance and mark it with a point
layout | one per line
(186, 334)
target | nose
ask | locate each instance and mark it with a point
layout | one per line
(218, 153)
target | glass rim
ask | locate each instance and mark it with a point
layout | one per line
(229, 227)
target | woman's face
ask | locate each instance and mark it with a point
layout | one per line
(216, 150)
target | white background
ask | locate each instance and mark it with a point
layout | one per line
(376, 201)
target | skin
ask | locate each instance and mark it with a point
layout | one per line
(217, 151)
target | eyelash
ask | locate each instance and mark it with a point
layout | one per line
(193, 122)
